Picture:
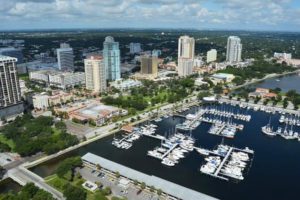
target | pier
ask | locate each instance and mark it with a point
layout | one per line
(223, 161)
(169, 151)
(156, 136)
(217, 173)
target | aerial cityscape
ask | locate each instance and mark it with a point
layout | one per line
(149, 100)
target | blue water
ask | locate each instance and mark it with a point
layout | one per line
(290, 82)
(274, 173)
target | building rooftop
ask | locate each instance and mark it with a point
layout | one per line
(5, 58)
(150, 180)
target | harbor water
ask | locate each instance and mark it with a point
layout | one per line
(274, 173)
(289, 82)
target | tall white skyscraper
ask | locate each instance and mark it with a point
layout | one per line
(111, 54)
(234, 49)
(95, 78)
(186, 52)
(65, 57)
(211, 56)
(10, 92)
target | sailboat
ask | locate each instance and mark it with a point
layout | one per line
(268, 130)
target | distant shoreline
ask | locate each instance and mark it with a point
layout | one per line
(253, 81)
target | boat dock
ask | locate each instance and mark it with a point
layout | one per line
(169, 151)
(159, 137)
(225, 160)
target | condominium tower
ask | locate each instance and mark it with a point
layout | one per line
(234, 49)
(211, 56)
(111, 54)
(186, 52)
(10, 92)
(149, 65)
(135, 48)
(95, 78)
(65, 57)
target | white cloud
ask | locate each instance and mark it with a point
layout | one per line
(155, 13)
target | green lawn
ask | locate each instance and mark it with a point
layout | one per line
(9, 142)
(59, 183)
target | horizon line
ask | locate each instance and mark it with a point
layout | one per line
(133, 28)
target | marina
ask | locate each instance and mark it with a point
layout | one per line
(287, 132)
(227, 162)
(273, 155)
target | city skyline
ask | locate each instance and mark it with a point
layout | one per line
(223, 15)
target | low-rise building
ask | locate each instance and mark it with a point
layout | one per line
(40, 101)
(125, 84)
(222, 78)
(97, 112)
(284, 56)
(262, 93)
(199, 82)
(58, 79)
(67, 79)
(44, 100)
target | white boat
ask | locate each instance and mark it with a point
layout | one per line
(168, 162)
(203, 151)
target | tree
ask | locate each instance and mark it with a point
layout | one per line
(98, 166)
(159, 192)
(135, 182)
(143, 185)
(74, 193)
(106, 191)
(117, 174)
(152, 188)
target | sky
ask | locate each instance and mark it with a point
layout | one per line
(276, 15)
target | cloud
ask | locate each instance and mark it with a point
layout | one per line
(273, 14)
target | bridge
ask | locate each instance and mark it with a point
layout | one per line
(23, 176)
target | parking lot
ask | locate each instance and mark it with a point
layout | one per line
(130, 191)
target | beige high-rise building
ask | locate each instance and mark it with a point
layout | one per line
(186, 47)
(95, 78)
(185, 66)
(211, 55)
(186, 53)
(149, 65)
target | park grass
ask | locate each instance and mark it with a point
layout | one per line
(9, 142)
(56, 182)
(59, 183)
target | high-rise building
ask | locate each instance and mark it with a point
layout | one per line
(12, 52)
(234, 49)
(135, 48)
(10, 92)
(65, 57)
(111, 54)
(211, 56)
(186, 47)
(95, 79)
(185, 66)
(186, 52)
(149, 65)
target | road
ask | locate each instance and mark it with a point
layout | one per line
(23, 176)
(18, 170)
